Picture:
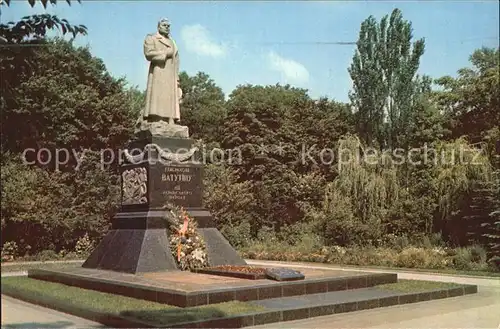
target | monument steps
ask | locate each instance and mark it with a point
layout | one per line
(352, 300)
(187, 289)
(298, 300)
(323, 304)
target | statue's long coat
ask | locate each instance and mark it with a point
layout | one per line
(162, 91)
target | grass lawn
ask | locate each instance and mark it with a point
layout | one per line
(48, 293)
(409, 286)
(20, 267)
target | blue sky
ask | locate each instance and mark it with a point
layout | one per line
(270, 42)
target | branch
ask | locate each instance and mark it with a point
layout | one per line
(44, 2)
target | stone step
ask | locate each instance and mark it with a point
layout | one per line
(306, 306)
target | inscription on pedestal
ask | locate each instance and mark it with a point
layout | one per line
(179, 178)
(178, 184)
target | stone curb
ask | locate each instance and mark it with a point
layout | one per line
(258, 318)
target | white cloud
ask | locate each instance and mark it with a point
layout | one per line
(197, 39)
(291, 70)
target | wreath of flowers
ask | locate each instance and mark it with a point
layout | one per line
(188, 247)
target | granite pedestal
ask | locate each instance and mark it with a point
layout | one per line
(158, 170)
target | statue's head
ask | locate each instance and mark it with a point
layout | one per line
(164, 27)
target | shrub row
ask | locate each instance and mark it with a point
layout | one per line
(468, 258)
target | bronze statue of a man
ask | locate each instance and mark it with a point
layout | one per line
(163, 93)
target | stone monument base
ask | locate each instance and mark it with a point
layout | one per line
(162, 128)
(159, 170)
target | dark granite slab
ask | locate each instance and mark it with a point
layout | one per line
(219, 251)
(232, 274)
(187, 289)
(284, 274)
(355, 300)
(328, 298)
(133, 251)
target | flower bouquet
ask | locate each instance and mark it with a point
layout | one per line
(188, 247)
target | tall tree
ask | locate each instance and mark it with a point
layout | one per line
(68, 100)
(202, 106)
(18, 41)
(43, 2)
(36, 26)
(472, 100)
(383, 72)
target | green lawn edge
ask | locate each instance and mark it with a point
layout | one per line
(415, 286)
(442, 271)
(116, 310)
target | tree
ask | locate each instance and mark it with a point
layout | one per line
(202, 107)
(69, 100)
(383, 72)
(43, 2)
(35, 26)
(255, 123)
(50, 210)
(471, 100)
(19, 39)
(137, 100)
(273, 127)
(471, 103)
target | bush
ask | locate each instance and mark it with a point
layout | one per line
(9, 251)
(46, 255)
(396, 242)
(239, 236)
(309, 248)
(51, 210)
(84, 246)
(231, 203)
(416, 258)
(470, 258)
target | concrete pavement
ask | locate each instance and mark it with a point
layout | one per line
(18, 314)
(17, 273)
